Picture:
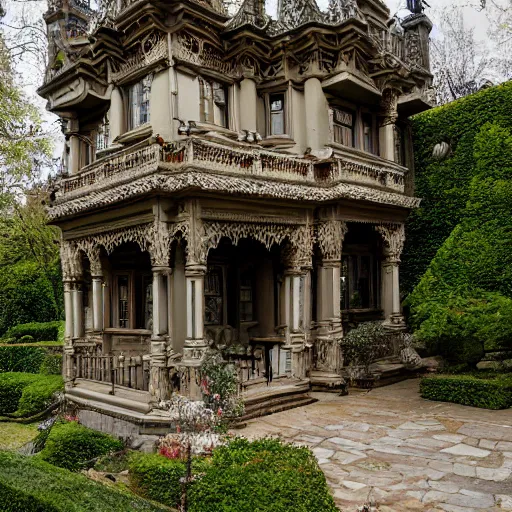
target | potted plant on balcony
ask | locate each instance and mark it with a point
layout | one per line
(359, 348)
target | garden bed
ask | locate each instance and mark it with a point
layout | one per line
(485, 390)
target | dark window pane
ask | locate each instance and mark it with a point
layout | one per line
(123, 298)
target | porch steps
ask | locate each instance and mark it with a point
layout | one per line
(125, 398)
(262, 401)
(391, 370)
(327, 382)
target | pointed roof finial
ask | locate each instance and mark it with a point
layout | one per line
(293, 13)
(251, 12)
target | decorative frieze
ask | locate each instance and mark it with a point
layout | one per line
(150, 50)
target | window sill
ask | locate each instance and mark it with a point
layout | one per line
(135, 135)
(278, 140)
(339, 149)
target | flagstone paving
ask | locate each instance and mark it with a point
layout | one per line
(403, 452)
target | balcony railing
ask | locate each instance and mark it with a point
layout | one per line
(137, 161)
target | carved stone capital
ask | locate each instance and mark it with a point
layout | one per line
(394, 239)
(71, 261)
(159, 244)
(389, 107)
(330, 235)
(94, 255)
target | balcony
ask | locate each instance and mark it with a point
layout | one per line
(206, 157)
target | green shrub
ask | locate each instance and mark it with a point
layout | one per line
(8, 341)
(487, 393)
(51, 365)
(73, 446)
(17, 358)
(265, 475)
(39, 331)
(26, 394)
(31, 485)
(156, 477)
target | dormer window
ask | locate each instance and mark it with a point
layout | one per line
(138, 97)
(277, 114)
(213, 102)
(343, 127)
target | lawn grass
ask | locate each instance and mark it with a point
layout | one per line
(14, 435)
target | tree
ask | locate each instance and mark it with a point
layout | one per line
(458, 61)
(499, 13)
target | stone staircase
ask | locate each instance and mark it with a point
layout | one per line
(280, 395)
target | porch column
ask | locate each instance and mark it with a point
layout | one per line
(388, 136)
(159, 376)
(394, 238)
(97, 288)
(68, 332)
(78, 309)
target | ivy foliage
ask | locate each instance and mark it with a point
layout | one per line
(463, 302)
(444, 186)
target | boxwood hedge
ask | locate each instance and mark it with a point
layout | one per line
(32, 485)
(73, 446)
(487, 393)
(26, 394)
(39, 331)
(265, 475)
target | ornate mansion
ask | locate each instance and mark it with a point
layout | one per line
(234, 181)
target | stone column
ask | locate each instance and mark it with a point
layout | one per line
(78, 309)
(330, 235)
(74, 154)
(317, 114)
(159, 387)
(394, 238)
(116, 115)
(248, 105)
(67, 368)
(97, 288)
(388, 133)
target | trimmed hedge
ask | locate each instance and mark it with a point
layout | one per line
(31, 485)
(16, 358)
(51, 365)
(487, 393)
(26, 394)
(73, 446)
(39, 331)
(266, 475)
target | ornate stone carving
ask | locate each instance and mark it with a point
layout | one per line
(159, 244)
(93, 253)
(389, 107)
(151, 49)
(394, 238)
(293, 13)
(330, 235)
(341, 10)
(71, 261)
(229, 184)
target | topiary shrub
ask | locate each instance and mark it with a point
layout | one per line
(51, 365)
(73, 446)
(17, 358)
(31, 485)
(25, 394)
(265, 475)
(487, 393)
(39, 331)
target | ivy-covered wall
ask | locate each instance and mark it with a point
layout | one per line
(444, 185)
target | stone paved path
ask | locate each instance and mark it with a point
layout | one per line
(406, 452)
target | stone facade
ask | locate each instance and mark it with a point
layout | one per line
(237, 181)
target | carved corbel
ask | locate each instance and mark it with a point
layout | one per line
(389, 107)
(159, 242)
(71, 260)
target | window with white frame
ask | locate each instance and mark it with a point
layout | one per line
(343, 127)
(138, 97)
(213, 102)
(277, 114)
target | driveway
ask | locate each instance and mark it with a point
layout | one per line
(403, 452)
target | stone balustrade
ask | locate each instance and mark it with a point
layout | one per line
(199, 154)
